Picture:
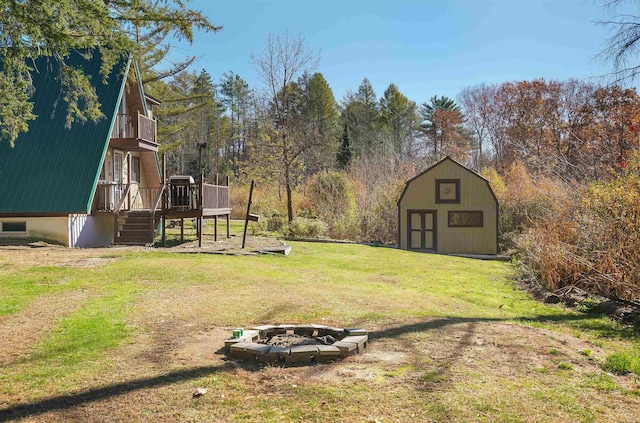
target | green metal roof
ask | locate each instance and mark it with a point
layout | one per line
(53, 169)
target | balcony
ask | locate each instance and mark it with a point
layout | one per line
(134, 133)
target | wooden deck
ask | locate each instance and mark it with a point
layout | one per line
(170, 201)
(195, 201)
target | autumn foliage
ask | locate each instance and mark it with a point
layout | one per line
(592, 241)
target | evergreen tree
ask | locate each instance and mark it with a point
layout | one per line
(442, 123)
(51, 28)
(344, 152)
(361, 115)
(320, 117)
(236, 97)
(400, 121)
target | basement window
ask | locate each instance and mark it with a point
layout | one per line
(14, 226)
(466, 219)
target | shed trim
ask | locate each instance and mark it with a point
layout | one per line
(434, 229)
(439, 199)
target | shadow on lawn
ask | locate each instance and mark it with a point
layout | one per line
(62, 402)
(582, 321)
(68, 401)
(435, 374)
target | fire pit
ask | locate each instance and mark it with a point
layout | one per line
(296, 344)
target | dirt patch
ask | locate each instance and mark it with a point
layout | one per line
(20, 254)
(24, 256)
(232, 245)
(24, 329)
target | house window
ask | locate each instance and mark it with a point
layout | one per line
(466, 219)
(448, 191)
(14, 226)
(135, 169)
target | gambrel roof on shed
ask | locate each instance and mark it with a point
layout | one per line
(53, 170)
(447, 158)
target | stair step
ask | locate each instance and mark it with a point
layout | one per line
(138, 219)
(135, 228)
(134, 236)
(140, 232)
(133, 242)
(127, 226)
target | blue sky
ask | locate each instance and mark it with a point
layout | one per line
(426, 48)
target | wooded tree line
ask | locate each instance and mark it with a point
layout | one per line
(571, 129)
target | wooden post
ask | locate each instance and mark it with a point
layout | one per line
(115, 226)
(164, 200)
(164, 229)
(182, 229)
(215, 228)
(246, 218)
(129, 205)
(200, 202)
(164, 168)
(228, 216)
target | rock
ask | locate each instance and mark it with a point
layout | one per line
(199, 392)
(552, 298)
(605, 307)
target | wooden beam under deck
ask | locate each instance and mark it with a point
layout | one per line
(133, 144)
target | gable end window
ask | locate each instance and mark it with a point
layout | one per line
(466, 219)
(14, 226)
(447, 191)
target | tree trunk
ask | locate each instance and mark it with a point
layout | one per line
(287, 184)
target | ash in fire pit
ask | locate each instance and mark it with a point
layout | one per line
(294, 344)
(292, 340)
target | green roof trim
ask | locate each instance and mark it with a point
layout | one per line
(53, 169)
(125, 73)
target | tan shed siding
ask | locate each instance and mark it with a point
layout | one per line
(475, 194)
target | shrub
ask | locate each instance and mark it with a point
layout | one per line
(524, 200)
(378, 182)
(330, 196)
(302, 227)
(593, 242)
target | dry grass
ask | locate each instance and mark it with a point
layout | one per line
(450, 341)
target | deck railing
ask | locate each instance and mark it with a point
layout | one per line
(146, 128)
(140, 127)
(188, 197)
(109, 195)
(215, 196)
(144, 198)
(115, 197)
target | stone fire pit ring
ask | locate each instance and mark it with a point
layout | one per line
(254, 344)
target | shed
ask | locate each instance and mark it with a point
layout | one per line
(448, 209)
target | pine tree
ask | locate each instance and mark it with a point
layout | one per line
(52, 28)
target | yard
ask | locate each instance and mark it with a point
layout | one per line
(129, 334)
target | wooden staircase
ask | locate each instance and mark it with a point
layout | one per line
(136, 227)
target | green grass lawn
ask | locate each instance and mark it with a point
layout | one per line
(130, 337)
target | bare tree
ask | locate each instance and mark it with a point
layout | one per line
(282, 59)
(623, 45)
